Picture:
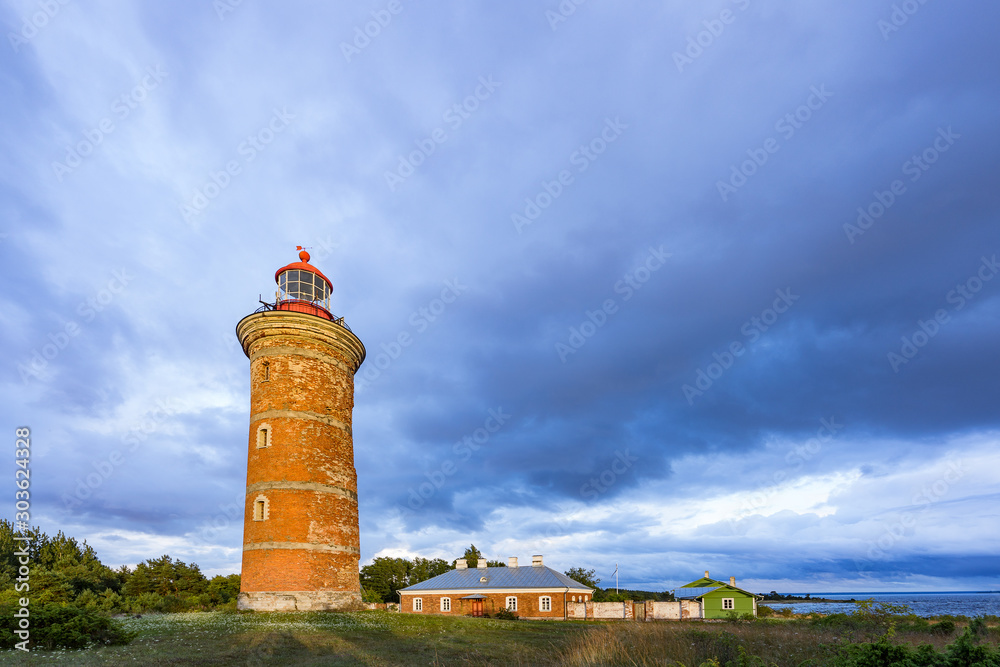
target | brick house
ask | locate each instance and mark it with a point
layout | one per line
(535, 592)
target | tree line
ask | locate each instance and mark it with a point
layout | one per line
(73, 594)
(382, 580)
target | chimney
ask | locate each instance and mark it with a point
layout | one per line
(536, 561)
(512, 561)
(481, 563)
(732, 581)
(706, 574)
(461, 564)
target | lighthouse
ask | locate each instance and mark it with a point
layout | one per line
(300, 528)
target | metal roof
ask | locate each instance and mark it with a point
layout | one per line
(498, 577)
(685, 593)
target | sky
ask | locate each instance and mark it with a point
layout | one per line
(683, 286)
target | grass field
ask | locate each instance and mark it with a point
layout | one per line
(385, 638)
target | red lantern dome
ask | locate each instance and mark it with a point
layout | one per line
(303, 288)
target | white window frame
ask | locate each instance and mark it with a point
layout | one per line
(511, 603)
(445, 604)
(418, 604)
(260, 503)
(728, 604)
(545, 603)
(264, 430)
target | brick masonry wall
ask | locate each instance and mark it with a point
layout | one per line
(678, 610)
(302, 388)
(610, 610)
(527, 604)
(648, 610)
(300, 570)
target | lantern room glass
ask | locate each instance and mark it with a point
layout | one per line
(300, 285)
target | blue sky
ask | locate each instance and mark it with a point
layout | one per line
(686, 286)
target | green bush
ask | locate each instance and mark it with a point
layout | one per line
(913, 623)
(736, 617)
(57, 625)
(977, 627)
(505, 615)
(943, 627)
(965, 652)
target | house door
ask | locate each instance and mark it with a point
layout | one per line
(477, 607)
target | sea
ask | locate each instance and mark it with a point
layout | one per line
(954, 603)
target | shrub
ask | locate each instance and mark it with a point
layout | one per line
(913, 623)
(87, 600)
(943, 628)
(505, 615)
(736, 617)
(977, 627)
(963, 653)
(111, 602)
(57, 625)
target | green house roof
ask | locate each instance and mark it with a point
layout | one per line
(704, 586)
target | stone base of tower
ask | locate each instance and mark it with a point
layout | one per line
(300, 601)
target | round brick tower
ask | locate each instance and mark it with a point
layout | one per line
(300, 531)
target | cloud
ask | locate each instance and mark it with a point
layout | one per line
(738, 476)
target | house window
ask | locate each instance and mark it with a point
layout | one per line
(445, 604)
(545, 603)
(260, 509)
(728, 603)
(267, 371)
(263, 436)
(418, 604)
(511, 603)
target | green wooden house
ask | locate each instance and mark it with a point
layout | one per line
(718, 599)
